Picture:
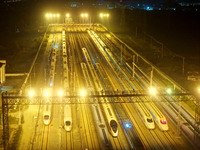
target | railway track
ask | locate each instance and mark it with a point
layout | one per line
(45, 138)
(152, 139)
(69, 141)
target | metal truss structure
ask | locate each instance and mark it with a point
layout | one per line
(8, 100)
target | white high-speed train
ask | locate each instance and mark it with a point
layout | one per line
(63, 32)
(67, 118)
(111, 119)
(101, 126)
(158, 116)
(47, 114)
(64, 49)
(145, 115)
(54, 50)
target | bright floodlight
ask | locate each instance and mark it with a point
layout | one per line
(86, 15)
(50, 15)
(58, 15)
(67, 15)
(153, 91)
(82, 15)
(60, 93)
(31, 93)
(169, 91)
(46, 93)
(47, 15)
(101, 15)
(107, 15)
(83, 93)
(198, 90)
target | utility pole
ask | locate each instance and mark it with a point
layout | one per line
(90, 22)
(74, 82)
(151, 77)
(121, 53)
(133, 66)
(125, 51)
(19, 116)
(183, 67)
(45, 76)
(30, 81)
(34, 71)
(179, 117)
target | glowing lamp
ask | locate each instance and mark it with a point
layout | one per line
(169, 91)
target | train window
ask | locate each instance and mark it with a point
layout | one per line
(67, 123)
(102, 126)
(149, 120)
(113, 125)
(46, 117)
(163, 121)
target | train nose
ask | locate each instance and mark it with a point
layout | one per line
(113, 125)
(151, 126)
(165, 128)
(46, 122)
(67, 128)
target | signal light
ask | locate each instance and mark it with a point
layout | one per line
(128, 125)
(163, 121)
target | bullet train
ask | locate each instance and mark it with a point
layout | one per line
(101, 127)
(97, 115)
(64, 51)
(54, 50)
(111, 119)
(64, 44)
(47, 114)
(145, 115)
(63, 35)
(63, 32)
(67, 118)
(158, 116)
(52, 66)
(64, 47)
